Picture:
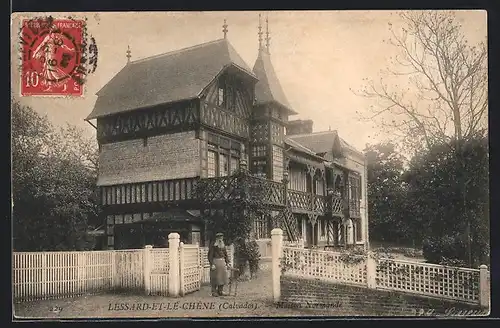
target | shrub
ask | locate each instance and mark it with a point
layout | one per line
(247, 254)
(443, 250)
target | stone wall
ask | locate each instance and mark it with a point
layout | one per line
(349, 300)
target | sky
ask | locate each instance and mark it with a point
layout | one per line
(318, 56)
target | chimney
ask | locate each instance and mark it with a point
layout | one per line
(299, 127)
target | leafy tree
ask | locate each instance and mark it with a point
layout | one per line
(456, 224)
(386, 194)
(53, 187)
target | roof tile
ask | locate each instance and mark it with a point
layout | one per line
(170, 77)
(268, 88)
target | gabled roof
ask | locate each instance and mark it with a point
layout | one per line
(327, 143)
(298, 147)
(315, 160)
(268, 88)
(318, 142)
(170, 77)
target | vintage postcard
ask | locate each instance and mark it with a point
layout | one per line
(250, 164)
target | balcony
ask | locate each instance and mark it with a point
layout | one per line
(271, 193)
(241, 187)
(300, 201)
(304, 202)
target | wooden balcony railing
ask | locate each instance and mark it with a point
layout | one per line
(299, 200)
(320, 204)
(267, 191)
(272, 193)
(337, 205)
(253, 189)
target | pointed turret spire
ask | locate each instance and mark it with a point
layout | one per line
(268, 39)
(224, 29)
(260, 33)
(128, 54)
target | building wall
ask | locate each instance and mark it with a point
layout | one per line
(357, 163)
(170, 156)
(349, 300)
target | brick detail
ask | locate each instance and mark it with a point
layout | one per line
(351, 300)
(170, 156)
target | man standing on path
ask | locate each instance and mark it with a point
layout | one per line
(219, 264)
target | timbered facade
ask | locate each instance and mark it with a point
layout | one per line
(195, 121)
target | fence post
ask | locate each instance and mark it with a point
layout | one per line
(484, 286)
(113, 269)
(371, 271)
(276, 251)
(231, 255)
(146, 265)
(173, 272)
(181, 268)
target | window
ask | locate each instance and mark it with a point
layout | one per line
(259, 168)
(223, 165)
(261, 227)
(354, 188)
(212, 169)
(195, 237)
(234, 164)
(230, 98)
(277, 164)
(359, 235)
(223, 156)
(220, 98)
(258, 151)
(299, 225)
(321, 229)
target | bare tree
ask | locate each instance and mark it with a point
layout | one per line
(435, 92)
(445, 96)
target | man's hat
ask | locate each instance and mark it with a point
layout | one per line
(219, 234)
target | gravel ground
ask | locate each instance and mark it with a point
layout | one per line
(254, 299)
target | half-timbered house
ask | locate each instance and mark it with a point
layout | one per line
(167, 122)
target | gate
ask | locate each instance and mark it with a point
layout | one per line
(190, 269)
(129, 269)
(159, 271)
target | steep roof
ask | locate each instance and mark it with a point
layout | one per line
(170, 77)
(268, 88)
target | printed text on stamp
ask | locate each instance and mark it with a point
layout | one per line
(52, 57)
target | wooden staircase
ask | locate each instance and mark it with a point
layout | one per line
(289, 224)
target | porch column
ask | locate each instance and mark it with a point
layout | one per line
(313, 218)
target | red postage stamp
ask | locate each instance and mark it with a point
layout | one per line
(52, 53)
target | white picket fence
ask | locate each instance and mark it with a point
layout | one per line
(452, 283)
(61, 274)
(324, 265)
(48, 275)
